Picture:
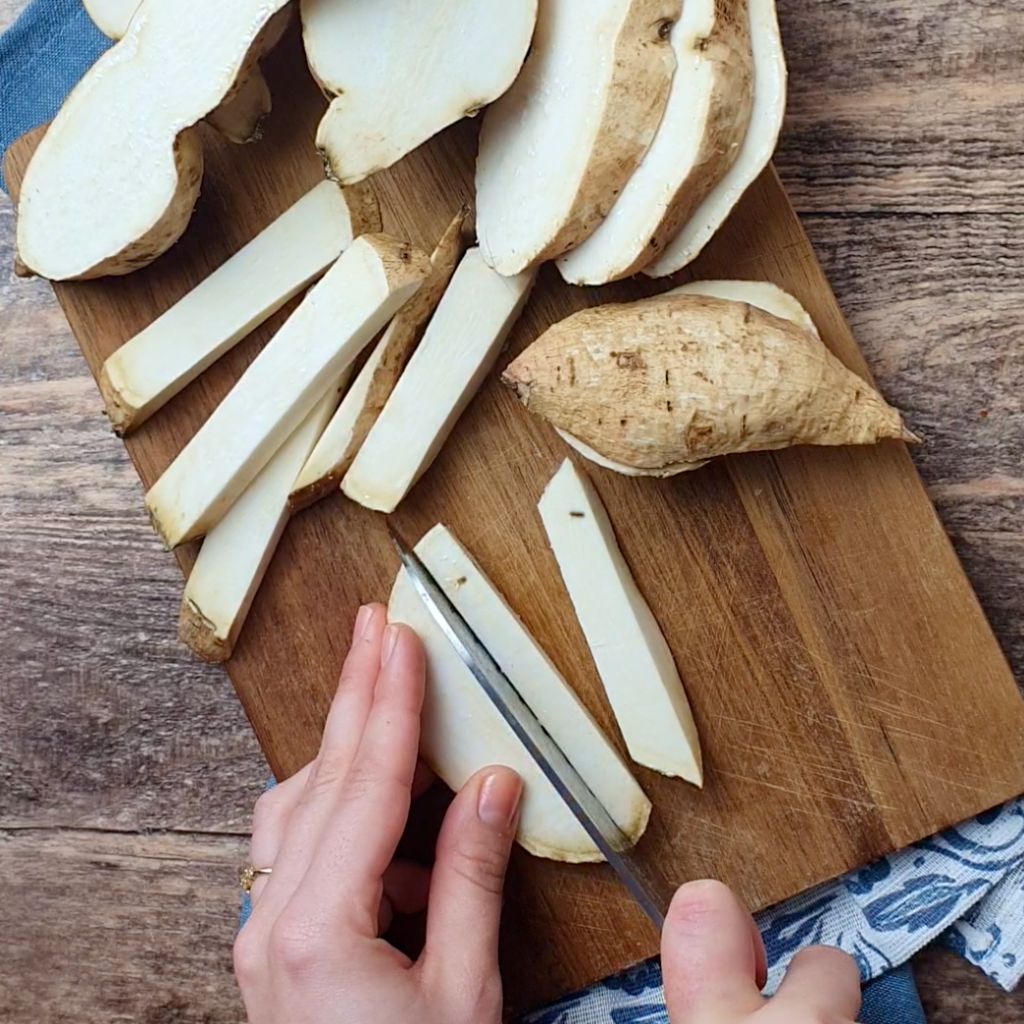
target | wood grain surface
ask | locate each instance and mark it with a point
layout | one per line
(111, 727)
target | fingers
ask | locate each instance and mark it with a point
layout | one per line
(346, 721)
(711, 957)
(350, 709)
(469, 874)
(369, 813)
(821, 984)
(270, 823)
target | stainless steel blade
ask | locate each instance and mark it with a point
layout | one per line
(651, 893)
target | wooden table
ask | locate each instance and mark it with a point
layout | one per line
(127, 771)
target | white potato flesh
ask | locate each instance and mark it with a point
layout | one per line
(248, 288)
(335, 443)
(111, 17)
(364, 289)
(707, 116)
(113, 181)
(463, 732)
(459, 348)
(756, 151)
(402, 70)
(557, 147)
(632, 657)
(240, 116)
(237, 552)
(763, 294)
(605, 463)
(334, 452)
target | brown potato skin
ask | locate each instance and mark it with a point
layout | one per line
(686, 378)
(731, 100)
(635, 102)
(403, 336)
(644, 66)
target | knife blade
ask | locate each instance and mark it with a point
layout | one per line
(650, 892)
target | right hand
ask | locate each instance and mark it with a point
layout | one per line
(714, 968)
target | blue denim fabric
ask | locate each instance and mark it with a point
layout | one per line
(42, 55)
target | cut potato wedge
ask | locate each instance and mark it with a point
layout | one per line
(755, 153)
(336, 449)
(463, 731)
(698, 140)
(458, 350)
(670, 382)
(633, 660)
(559, 146)
(432, 63)
(762, 294)
(113, 181)
(370, 282)
(247, 289)
(237, 552)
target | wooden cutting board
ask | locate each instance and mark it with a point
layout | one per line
(850, 695)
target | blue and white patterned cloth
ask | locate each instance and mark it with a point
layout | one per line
(965, 886)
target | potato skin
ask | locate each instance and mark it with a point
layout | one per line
(634, 103)
(726, 52)
(645, 64)
(729, 118)
(686, 378)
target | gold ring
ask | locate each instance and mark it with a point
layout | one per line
(249, 875)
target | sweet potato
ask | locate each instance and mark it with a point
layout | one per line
(673, 381)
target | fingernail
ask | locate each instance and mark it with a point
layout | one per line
(363, 620)
(499, 798)
(389, 644)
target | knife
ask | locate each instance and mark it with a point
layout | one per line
(651, 893)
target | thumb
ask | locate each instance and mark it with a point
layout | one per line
(712, 958)
(469, 874)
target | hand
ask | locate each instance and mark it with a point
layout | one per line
(311, 953)
(714, 968)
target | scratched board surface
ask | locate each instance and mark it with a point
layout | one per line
(849, 693)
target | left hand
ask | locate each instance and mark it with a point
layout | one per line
(312, 951)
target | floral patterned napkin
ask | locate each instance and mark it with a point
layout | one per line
(964, 887)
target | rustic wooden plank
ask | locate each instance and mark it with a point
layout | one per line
(852, 645)
(954, 992)
(903, 106)
(115, 928)
(105, 721)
